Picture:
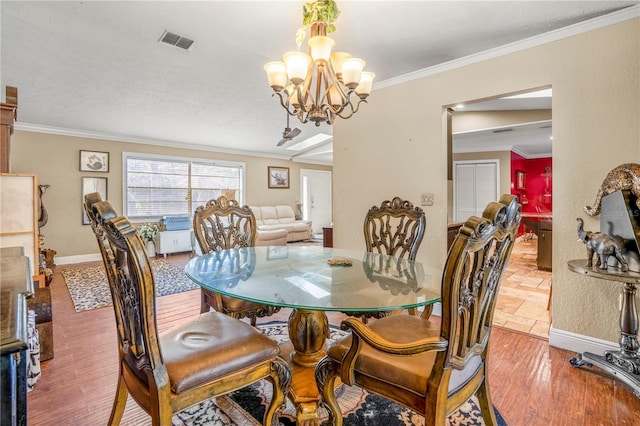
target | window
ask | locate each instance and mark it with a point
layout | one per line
(156, 186)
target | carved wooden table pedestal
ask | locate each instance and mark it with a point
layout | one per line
(625, 363)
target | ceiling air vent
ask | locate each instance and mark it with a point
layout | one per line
(176, 40)
(503, 130)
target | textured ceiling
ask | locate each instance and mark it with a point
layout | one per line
(96, 68)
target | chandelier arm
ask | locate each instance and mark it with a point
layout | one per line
(344, 101)
(353, 110)
(304, 88)
(344, 95)
(285, 104)
(320, 79)
(302, 117)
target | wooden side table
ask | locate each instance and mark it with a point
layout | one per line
(327, 237)
(625, 363)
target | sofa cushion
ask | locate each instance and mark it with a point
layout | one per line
(257, 213)
(285, 213)
(269, 215)
(300, 226)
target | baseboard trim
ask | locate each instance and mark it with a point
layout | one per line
(68, 260)
(579, 343)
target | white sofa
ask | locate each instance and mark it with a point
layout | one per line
(282, 217)
(271, 237)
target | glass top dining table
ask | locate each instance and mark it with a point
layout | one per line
(313, 280)
(302, 277)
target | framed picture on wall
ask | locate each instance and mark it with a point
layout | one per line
(278, 177)
(520, 179)
(94, 161)
(90, 185)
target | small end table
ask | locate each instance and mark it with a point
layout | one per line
(625, 363)
(327, 237)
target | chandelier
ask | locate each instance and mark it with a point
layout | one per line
(320, 85)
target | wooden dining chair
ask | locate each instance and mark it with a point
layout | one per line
(395, 228)
(433, 366)
(167, 372)
(223, 224)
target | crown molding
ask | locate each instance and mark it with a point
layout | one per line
(630, 12)
(36, 128)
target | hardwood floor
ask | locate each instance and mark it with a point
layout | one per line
(531, 383)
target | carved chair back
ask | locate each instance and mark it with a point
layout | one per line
(223, 224)
(471, 281)
(132, 289)
(395, 228)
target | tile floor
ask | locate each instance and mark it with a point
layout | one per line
(524, 295)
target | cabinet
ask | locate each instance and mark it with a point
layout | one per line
(175, 241)
(327, 237)
(16, 286)
(541, 224)
(545, 242)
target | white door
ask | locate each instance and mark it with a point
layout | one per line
(316, 198)
(475, 184)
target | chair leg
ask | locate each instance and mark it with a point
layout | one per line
(119, 402)
(326, 376)
(486, 406)
(204, 306)
(280, 379)
(426, 313)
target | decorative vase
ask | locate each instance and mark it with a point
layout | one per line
(151, 249)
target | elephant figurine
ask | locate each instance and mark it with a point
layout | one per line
(603, 246)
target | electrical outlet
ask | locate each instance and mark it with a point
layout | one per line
(426, 199)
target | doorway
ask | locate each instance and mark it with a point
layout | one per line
(315, 187)
(516, 130)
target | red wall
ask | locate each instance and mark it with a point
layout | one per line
(532, 197)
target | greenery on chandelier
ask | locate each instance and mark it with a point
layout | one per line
(320, 10)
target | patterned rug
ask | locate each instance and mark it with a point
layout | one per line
(246, 406)
(89, 289)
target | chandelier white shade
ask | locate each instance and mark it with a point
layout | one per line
(320, 85)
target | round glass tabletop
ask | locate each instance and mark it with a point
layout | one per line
(317, 278)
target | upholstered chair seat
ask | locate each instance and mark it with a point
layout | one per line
(411, 373)
(198, 352)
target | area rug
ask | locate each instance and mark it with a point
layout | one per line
(313, 241)
(246, 406)
(89, 288)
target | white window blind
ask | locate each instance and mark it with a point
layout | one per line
(164, 186)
